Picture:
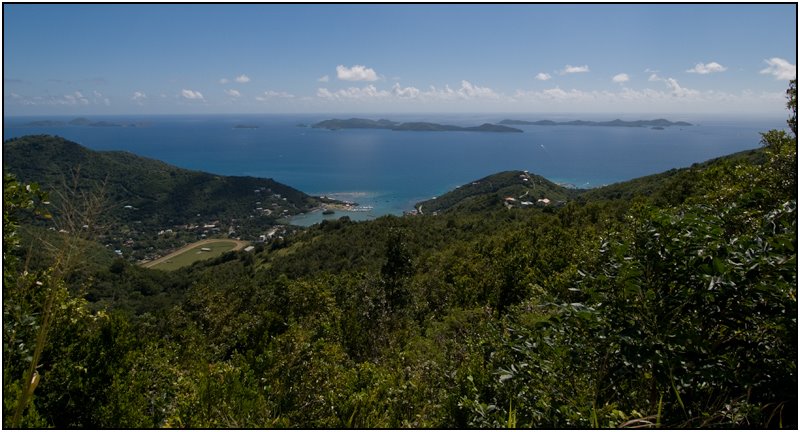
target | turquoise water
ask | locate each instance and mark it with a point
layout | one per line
(390, 170)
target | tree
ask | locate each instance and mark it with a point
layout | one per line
(791, 93)
(396, 269)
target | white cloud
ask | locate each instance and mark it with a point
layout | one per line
(233, 93)
(138, 97)
(707, 68)
(568, 69)
(405, 92)
(99, 98)
(242, 79)
(444, 94)
(621, 78)
(70, 99)
(323, 78)
(780, 69)
(470, 91)
(674, 93)
(541, 76)
(672, 98)
(467, 91)
(223, 81)
(75, 98)
(654, 77)
(356, 73)
(558, 93)
(367, 92)
(191, 95)
(679, 91)
(270, 94)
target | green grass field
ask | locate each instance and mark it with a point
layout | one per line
(196, 253)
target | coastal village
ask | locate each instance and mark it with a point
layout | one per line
(260, 224)
(268, 219)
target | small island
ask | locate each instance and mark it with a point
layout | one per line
(82, 122)
(245, 126)
(359, 123)
(657, 123)
(45, 123)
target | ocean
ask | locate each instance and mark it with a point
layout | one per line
(391, 170)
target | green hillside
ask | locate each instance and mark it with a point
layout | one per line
(668, 301)
(140, 197)
(520, 189)
(509, 189)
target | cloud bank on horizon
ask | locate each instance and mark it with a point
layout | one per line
(397, 58)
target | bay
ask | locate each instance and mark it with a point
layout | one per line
(391, 170)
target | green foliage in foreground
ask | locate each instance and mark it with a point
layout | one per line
(650, 310)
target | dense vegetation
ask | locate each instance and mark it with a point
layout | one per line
(508, 188)
(669, 301)
(130, 198)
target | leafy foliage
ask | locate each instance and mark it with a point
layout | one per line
(667, 301)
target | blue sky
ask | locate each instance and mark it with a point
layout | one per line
(262, 58)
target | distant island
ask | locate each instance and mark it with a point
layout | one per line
(657, 123)
(45, 123)
(245, 126)
(81, 121)
(359, 123)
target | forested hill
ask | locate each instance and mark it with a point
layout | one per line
(521, 189)
(138, 197)
(508, 188)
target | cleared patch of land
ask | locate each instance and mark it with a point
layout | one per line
(201, 250)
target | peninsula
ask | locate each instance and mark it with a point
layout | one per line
(623, 123)
(359, 123)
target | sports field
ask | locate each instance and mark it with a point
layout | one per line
(202, 250)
